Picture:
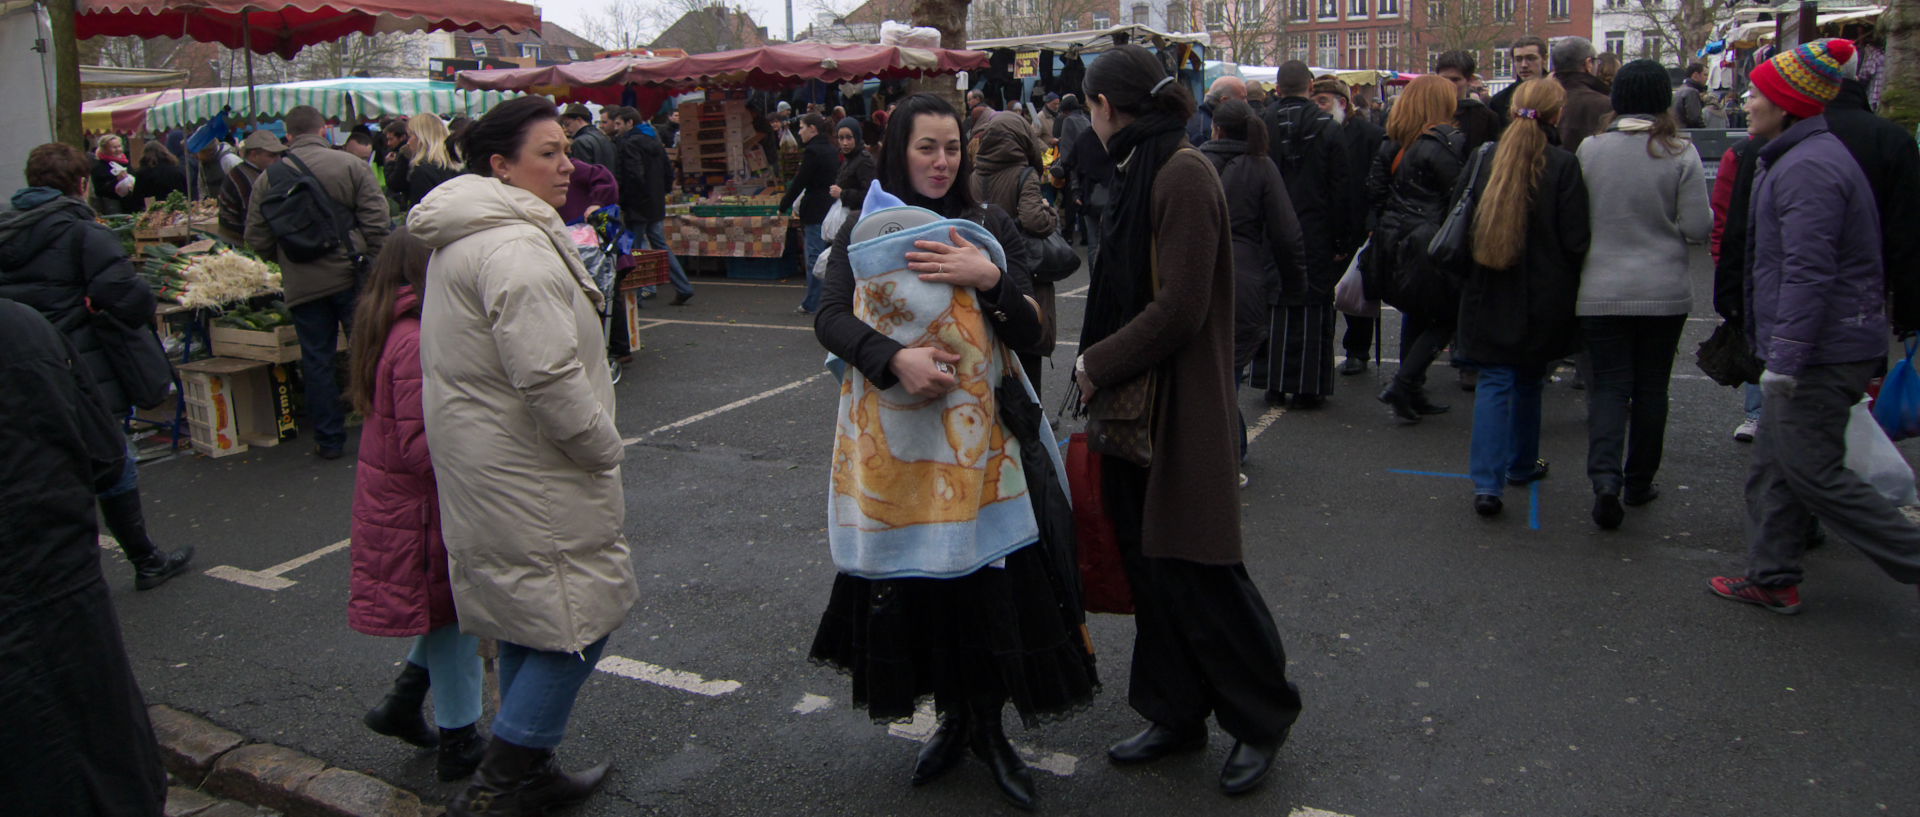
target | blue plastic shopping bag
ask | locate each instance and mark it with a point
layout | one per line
(1898, 408)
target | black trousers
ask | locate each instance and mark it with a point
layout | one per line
(1358, 340)
(1204, 640)
(1421, 340)
(1627, 396)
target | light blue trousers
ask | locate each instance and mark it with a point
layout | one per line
(452, 659)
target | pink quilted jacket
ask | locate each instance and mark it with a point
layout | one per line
(400, 584)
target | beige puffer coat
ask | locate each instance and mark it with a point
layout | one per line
(520, 411)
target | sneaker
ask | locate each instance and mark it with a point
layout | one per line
(1744, 431)
(1353, 365)
(681, 299)
(328, 452)
(1539, 472)
(1782, 600)
(1486, 504)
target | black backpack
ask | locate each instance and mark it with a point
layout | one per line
(306, 223)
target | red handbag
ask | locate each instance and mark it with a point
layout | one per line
(1103, 575)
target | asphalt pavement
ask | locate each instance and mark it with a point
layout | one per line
(1525, 665)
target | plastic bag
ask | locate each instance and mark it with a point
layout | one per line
(905, 36)
(1898, 407)
(1874, 457)
(1350, 295)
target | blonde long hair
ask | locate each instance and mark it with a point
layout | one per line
(428, 141)
(1500, 219)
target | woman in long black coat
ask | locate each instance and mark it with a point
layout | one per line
(75, 727)
(1269, 258)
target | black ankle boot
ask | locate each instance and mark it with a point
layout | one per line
(460, 751)
(521, 781)
(991, 746)
(152, 566)
(1397, 398)
(1425, 407)
(398, 715)
(944, 750)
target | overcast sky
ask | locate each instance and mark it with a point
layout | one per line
(573, 14)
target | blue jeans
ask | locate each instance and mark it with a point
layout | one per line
(1506, 426)
(537, 689)
(452, 659)
(815, 245)
(1753, 402)
(318, 323)
(654, 235)
(129, 474)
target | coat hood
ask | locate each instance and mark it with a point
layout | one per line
(22, 233)
(466, 205)
(406, 302)
(1007, 141)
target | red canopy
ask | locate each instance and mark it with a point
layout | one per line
(773, 66)
(284, 27)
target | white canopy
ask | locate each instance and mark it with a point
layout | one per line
(1089, 42)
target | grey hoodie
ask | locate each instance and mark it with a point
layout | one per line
(1644, 211)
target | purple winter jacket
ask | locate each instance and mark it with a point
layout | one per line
(1814, 289)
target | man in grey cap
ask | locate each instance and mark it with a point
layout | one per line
(589, 144)
(260, 150)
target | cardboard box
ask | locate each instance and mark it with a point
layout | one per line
(233, 403)
(277, 345)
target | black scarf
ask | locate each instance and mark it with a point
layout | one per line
(1122, 272)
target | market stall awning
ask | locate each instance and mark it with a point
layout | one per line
(284, 27)
(774, 66)
(336, 98)
(109, 76)
(128, 114)
(1089, 42)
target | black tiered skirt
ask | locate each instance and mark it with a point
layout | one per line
(995, 634)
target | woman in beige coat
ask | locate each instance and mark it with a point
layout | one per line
(519, 411)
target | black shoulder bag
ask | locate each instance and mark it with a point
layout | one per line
(1054, 258)
(1450, 246)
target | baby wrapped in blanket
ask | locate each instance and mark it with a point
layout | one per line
(924, 487)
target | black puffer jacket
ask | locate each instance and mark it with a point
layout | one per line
(1409, 205)
(644, 174)
(55, 258)
(1269, 257)
(856, 174)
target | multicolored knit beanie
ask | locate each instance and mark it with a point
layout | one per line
(1804, 80)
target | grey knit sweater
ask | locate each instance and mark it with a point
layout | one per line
(1644, 211)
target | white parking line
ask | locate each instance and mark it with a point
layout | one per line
(661, 676)
(1260, 426)
(811, 703)
(270, 578)
(744, 401)
(733, 325)
(1303, 811)
(1077, 292)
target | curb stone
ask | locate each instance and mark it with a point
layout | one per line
(209, 761)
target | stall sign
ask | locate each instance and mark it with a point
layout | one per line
(1026, 64)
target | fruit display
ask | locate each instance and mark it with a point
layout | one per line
(176, 211)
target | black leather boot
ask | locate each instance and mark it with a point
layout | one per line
(944, 750)
(152, 566)
(1425, 407)
(1158, 741)
(521, 781)
(398, 715)
(1246, 766)
(1397, 398)
(460, 751)
(990, 744)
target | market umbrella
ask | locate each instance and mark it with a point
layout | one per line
(284, 27)
(335, 98)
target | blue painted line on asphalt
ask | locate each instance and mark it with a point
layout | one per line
(1427, 473)
(1533, 497)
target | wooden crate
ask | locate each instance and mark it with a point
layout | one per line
(277, 345)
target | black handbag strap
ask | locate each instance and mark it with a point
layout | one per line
(1473, 168)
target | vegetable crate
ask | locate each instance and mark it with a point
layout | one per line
(211, 417)
(277, 345)
(649, 270)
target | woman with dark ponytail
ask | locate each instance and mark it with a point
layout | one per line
(1529, 239)
(1162, 306)
(1268, 258)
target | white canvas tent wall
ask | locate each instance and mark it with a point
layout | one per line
(29, 104)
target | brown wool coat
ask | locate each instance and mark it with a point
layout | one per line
(1193, 493)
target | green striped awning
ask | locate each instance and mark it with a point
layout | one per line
(342, 99)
